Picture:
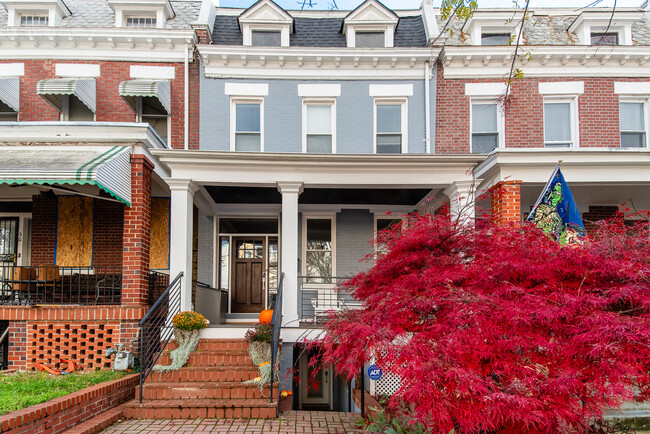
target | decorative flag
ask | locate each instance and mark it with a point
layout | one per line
(556, 213)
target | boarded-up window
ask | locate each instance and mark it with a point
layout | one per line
(159, 245)
(74, 235)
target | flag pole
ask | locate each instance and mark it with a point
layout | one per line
(541, 196)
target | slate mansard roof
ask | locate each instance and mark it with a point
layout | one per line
(545, 27)
(98, 14)
(320, 32)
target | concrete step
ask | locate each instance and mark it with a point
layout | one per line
(213, 358)
(198, 390)
(201, 408)
(204, 374)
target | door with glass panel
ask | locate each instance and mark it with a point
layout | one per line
(248, 274)
(8, 245)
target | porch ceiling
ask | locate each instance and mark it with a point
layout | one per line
(324, 196)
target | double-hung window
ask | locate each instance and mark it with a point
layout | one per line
(558, 124)
(632, 120)
(7, 114)
(319, 127)
(485, 127)
(389, 127)
(318, 235)
(248, 126)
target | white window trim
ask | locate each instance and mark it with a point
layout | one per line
(646, 116)
(575, 116)
(138, 118)
(387, 30)
(305, 217)
(329, 102)
(501, 121)
(234, 100)
(403, 101)
(383, 216)
(65, 109)
(284, 30)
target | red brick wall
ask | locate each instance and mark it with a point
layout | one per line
(506, 202)
(110, 106)
(17, 357)
(524, 115)
(598, 213)
(61, 414)
(195, 102)
(44, 216)
(136, 234)
(108, 222)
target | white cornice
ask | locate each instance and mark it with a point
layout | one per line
(547, 61)
(82, 133)
(159, 45)
(315, 63)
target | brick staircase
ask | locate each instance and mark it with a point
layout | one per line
(209, 386)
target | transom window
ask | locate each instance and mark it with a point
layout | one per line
(602, 38)
(319, 250)
(632, 119)
(148, 22)
(389, 128)
(248, 127)
(558, 124)
(319, 128)
(370, 39)
(266, 38)
(485, 128)
(34, 20)
(495, 38)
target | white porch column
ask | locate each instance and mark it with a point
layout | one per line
(180, 246)
(462, 200)
(289, 250)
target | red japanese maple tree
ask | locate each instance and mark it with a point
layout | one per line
(500, 329)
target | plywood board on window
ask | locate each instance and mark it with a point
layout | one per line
(74, 237)
(159, 245)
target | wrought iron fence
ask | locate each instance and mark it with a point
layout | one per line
(276, 323)
(320, 295)
(158, 282)
(156, 327)
(53, 284)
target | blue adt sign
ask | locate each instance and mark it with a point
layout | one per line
(374, 372)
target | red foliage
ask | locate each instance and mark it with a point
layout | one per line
(500, 329)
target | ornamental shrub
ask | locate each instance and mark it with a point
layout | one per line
(189, 321)
(260, 333)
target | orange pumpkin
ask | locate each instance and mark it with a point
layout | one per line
(266, 316)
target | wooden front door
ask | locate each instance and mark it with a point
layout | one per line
(248, 275)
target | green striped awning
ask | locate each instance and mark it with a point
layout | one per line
(52, 89)
(131, 90)
(107, 167)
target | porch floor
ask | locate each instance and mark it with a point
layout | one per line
(288, 422)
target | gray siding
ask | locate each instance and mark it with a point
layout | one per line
(206, 249)
(283, 115)
(354, 232)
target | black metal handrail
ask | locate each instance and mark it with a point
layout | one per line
(276, 323)
(156, 328)
(54, 284)
(322, 294)
(158, 282)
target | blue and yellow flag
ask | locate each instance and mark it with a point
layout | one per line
(556, 212)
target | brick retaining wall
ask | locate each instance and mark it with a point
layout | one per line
(61, 414)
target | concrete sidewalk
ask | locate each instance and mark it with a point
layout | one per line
(289, 422)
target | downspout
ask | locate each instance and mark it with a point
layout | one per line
(427, 108)
(187, 98)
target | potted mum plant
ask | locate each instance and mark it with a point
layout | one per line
(186, 333)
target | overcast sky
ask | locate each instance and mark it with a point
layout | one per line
(414, 4)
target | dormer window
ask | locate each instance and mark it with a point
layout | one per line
(265, 24)
(601, 28)
(33, 20)
(35, 13)
(492, 28)
(370, 39)
(371, 25)
(495, 38)
(148, 22)
(265, 38)
(142, 13)
(604, 38)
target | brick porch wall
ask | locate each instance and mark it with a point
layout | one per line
(44, 216)
(505, 199)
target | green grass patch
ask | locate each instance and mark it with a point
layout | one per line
(20, 390)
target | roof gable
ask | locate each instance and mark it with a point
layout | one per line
(265, 11)
(372, 11)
